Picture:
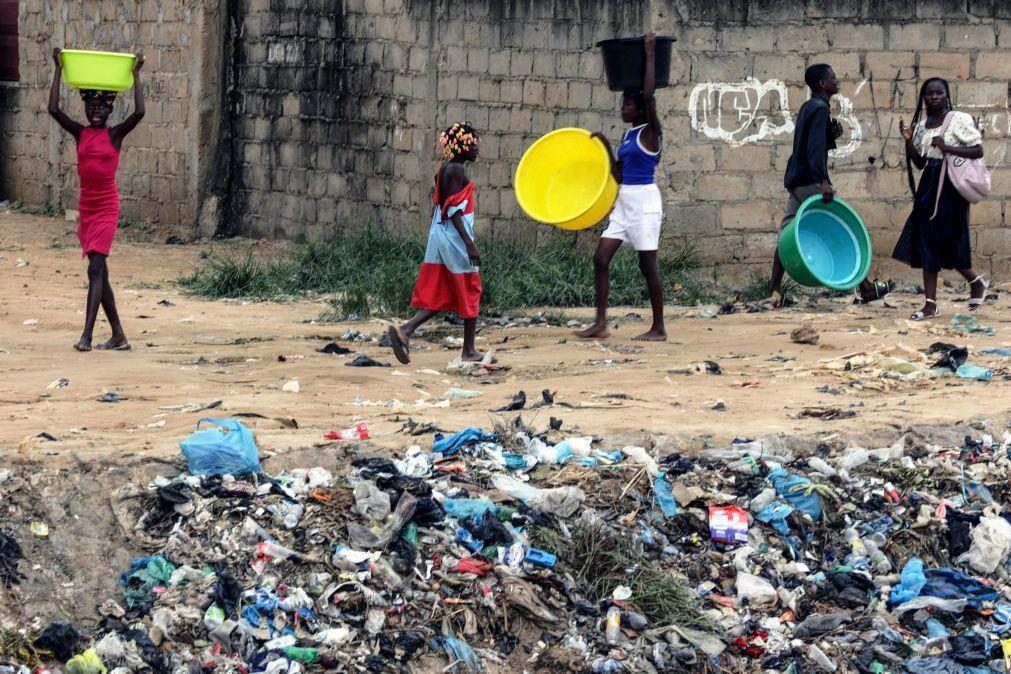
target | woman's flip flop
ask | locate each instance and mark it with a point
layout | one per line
(400, 349)
(976, 302)
(920, 316)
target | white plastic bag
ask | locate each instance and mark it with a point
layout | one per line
(991, 543)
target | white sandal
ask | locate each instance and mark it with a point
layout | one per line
(920, 316)
(976, 302)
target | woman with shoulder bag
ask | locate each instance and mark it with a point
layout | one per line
(936, 234)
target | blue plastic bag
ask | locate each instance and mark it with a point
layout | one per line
(797, 490)
(214, 451)
(911, 583)
(454, 443)
(663, 496)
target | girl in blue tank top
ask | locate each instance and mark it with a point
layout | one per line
(638, 211)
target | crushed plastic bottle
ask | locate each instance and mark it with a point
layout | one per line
(819, 658)
(612, 626)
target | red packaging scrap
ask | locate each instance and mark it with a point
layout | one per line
(728, 524)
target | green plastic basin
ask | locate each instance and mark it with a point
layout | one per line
(826, 245)
(102, 70)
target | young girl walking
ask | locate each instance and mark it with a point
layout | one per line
(449, 279)
(936, 234)
(98, 149)
(638, 210)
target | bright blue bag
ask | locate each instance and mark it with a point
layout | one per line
(214, 451)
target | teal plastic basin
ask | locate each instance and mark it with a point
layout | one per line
(826, 245)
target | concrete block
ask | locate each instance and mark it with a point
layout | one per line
(417, 59)
(860, 36)
(488, 91)
(520, 120)
(690, 220)
(752, 38)
(521, 63)
(805, 39)
(447, 87)
(994, 65)
(845, 64)
(544, 63)
(467, 88)
(567, 65)
(778, 66)
(950, 66)
(591, 66)
(974, 37)
(498, 62)
(890, 65)
(752, 215)
(579, 94)
(454, 59)
(512, 91)
(914, 36)
(477, 60)
(980, 94)
(721, 68)
(533, 92)
(722, 187)
(556, 95)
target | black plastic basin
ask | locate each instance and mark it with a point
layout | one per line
(625, 61)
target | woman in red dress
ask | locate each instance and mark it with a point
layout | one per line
(98, 149)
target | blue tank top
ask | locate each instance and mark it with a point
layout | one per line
(637, 163)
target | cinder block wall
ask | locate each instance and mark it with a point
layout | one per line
(164, 161)
(298, 118)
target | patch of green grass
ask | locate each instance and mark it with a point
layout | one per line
(371, 272)
(603, 558)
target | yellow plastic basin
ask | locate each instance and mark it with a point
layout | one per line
(102, 70)
(564, 179)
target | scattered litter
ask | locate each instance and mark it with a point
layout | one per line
(291, 386)
(366, 361)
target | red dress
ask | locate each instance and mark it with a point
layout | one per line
(97, 161)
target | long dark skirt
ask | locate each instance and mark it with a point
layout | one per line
(941, 242)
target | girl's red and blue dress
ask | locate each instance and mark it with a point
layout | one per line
(447, 281)
(97, 161)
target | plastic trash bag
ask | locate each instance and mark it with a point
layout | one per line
(214, 451)
(911, 583)
(951, 584)
(755, 589)
(87, 662)
(459, 652)
(59, 638)
(560, 501)
(795, 489)
(454, 443)
(991, 543)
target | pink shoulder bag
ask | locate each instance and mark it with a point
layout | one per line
(970, 177)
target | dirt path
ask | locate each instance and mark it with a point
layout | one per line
(188, 350)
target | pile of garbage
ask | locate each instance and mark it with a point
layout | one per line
(521, 550)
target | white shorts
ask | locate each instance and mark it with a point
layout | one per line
(636, 217)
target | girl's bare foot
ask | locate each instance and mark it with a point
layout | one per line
(473, 357)
(119, 343)
(83, 345)
(598, 330)
(653, 335)
(400, 344)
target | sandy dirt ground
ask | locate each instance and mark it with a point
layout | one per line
(188, 351)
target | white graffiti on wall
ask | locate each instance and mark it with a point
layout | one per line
(738, 112)
(745, 112)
